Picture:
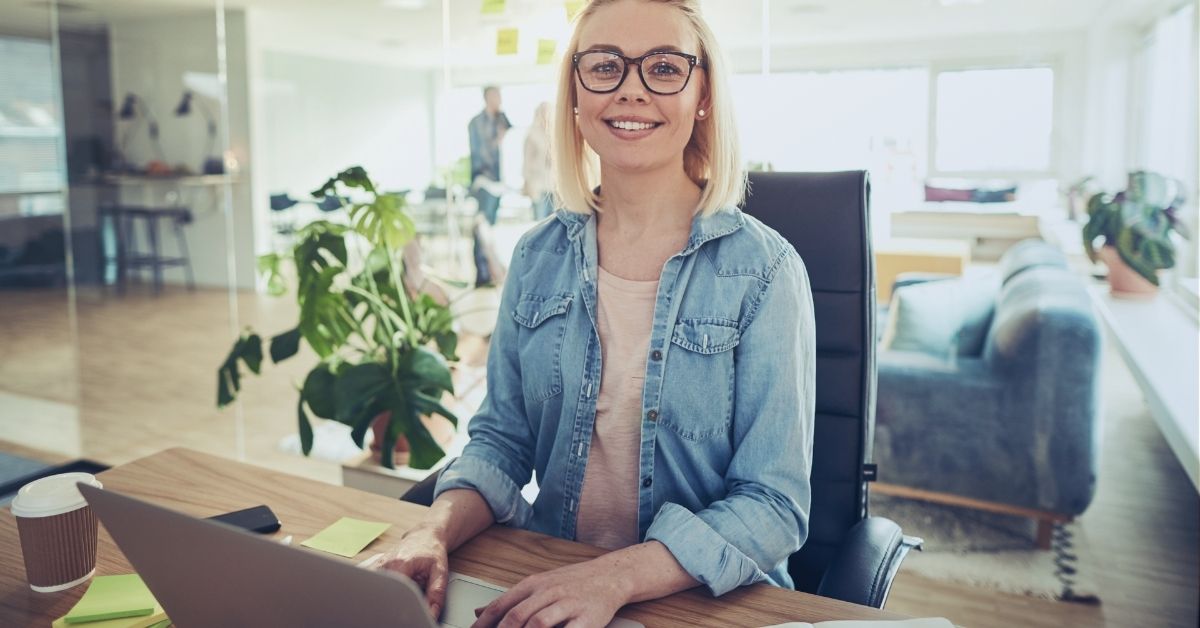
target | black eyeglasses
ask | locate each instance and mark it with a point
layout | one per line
(663, 73)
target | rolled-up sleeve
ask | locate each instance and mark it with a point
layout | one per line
(763, 517)
(498, 459)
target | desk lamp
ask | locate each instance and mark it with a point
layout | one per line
(212, 165)
(134, 108)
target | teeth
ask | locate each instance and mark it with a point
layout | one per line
(632, 126)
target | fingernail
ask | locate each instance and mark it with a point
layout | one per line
(436, 610)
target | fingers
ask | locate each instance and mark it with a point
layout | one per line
(523, 612)
(498, 609)
(435, 589)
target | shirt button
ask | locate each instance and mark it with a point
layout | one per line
(652, 415)
(656, 355)
(647, 482)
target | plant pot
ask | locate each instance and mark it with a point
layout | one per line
(1125, 282)
(439, 427)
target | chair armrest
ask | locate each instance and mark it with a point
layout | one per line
(865, 564)
(421, 493)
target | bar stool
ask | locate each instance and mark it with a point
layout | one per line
(124, 219)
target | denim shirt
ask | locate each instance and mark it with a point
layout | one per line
(727, 402)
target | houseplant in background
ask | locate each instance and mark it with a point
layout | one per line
(1134, 228)
(382, 346)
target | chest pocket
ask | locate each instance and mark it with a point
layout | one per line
(542, 323)
(700, 373)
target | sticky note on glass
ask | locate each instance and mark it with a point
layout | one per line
(573, 8)
(506, 41)
(546, 48)
(347, 537)
(112, 597)
(492, 6)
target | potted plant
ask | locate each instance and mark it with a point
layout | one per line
(382, 347)
(1134, 228)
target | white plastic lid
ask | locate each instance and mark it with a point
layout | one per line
(52, 495)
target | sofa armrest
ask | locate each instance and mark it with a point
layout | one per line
(866, 562)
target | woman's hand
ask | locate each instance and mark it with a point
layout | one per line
(422, 556)
(583, 595)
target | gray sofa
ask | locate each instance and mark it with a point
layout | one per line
(988, 389)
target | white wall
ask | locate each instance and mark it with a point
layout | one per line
(151, 57)
(320, 110)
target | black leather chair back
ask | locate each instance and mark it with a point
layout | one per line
(825, 216)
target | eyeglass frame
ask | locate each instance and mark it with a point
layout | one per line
(693, 63)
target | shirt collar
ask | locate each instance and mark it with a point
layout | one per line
(704, 228)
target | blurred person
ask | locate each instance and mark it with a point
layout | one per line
(486, 131)
(538, 172)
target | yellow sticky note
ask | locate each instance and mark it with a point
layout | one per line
(492, 6)
(347, 537)
(546, 48)
(112, 597)
(573, 8)
(506, 41)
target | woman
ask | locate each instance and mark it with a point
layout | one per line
(537, 166)
(653, 359)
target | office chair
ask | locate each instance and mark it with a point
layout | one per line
(848, 555)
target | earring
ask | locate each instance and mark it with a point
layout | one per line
(577, 111)
(701, 112)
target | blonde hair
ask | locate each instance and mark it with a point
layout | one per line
(711, 159)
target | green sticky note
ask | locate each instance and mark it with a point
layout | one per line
(506, 41)
(112, 597)
(347, 537)
(157, 619)
(492, 6)
(573, 8)
(546, 48)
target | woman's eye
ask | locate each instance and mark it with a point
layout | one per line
(665, 69)
(604, 68)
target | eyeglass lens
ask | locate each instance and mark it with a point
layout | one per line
(661, 73)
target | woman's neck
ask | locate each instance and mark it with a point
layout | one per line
(636, 203)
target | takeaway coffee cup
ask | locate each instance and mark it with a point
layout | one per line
(58, 531)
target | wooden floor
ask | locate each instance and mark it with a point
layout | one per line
(122, 377)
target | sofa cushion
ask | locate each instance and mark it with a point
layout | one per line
(943, 318)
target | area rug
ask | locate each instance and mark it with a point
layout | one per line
(993, 551)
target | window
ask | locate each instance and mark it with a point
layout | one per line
(994, 121)
(1166, 141)
(876, 120)
(30, 126)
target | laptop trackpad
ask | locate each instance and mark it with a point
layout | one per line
(463, 596)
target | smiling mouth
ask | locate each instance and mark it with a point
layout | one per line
(629, 125)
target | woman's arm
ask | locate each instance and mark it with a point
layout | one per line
(589, 593)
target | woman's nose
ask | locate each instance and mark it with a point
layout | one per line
(632, 88)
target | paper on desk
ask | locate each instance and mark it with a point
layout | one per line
(112, 597)
(347, 537)
(923, 622)
(157, 619)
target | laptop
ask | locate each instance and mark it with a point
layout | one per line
(206, 573)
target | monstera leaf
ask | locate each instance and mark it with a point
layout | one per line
(374, 339)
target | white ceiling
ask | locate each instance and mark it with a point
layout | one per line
(372, 29)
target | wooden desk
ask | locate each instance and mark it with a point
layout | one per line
(204, 485)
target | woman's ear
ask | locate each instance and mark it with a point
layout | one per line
(704, 106)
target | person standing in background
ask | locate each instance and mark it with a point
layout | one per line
(486, 133)
(539, 177)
